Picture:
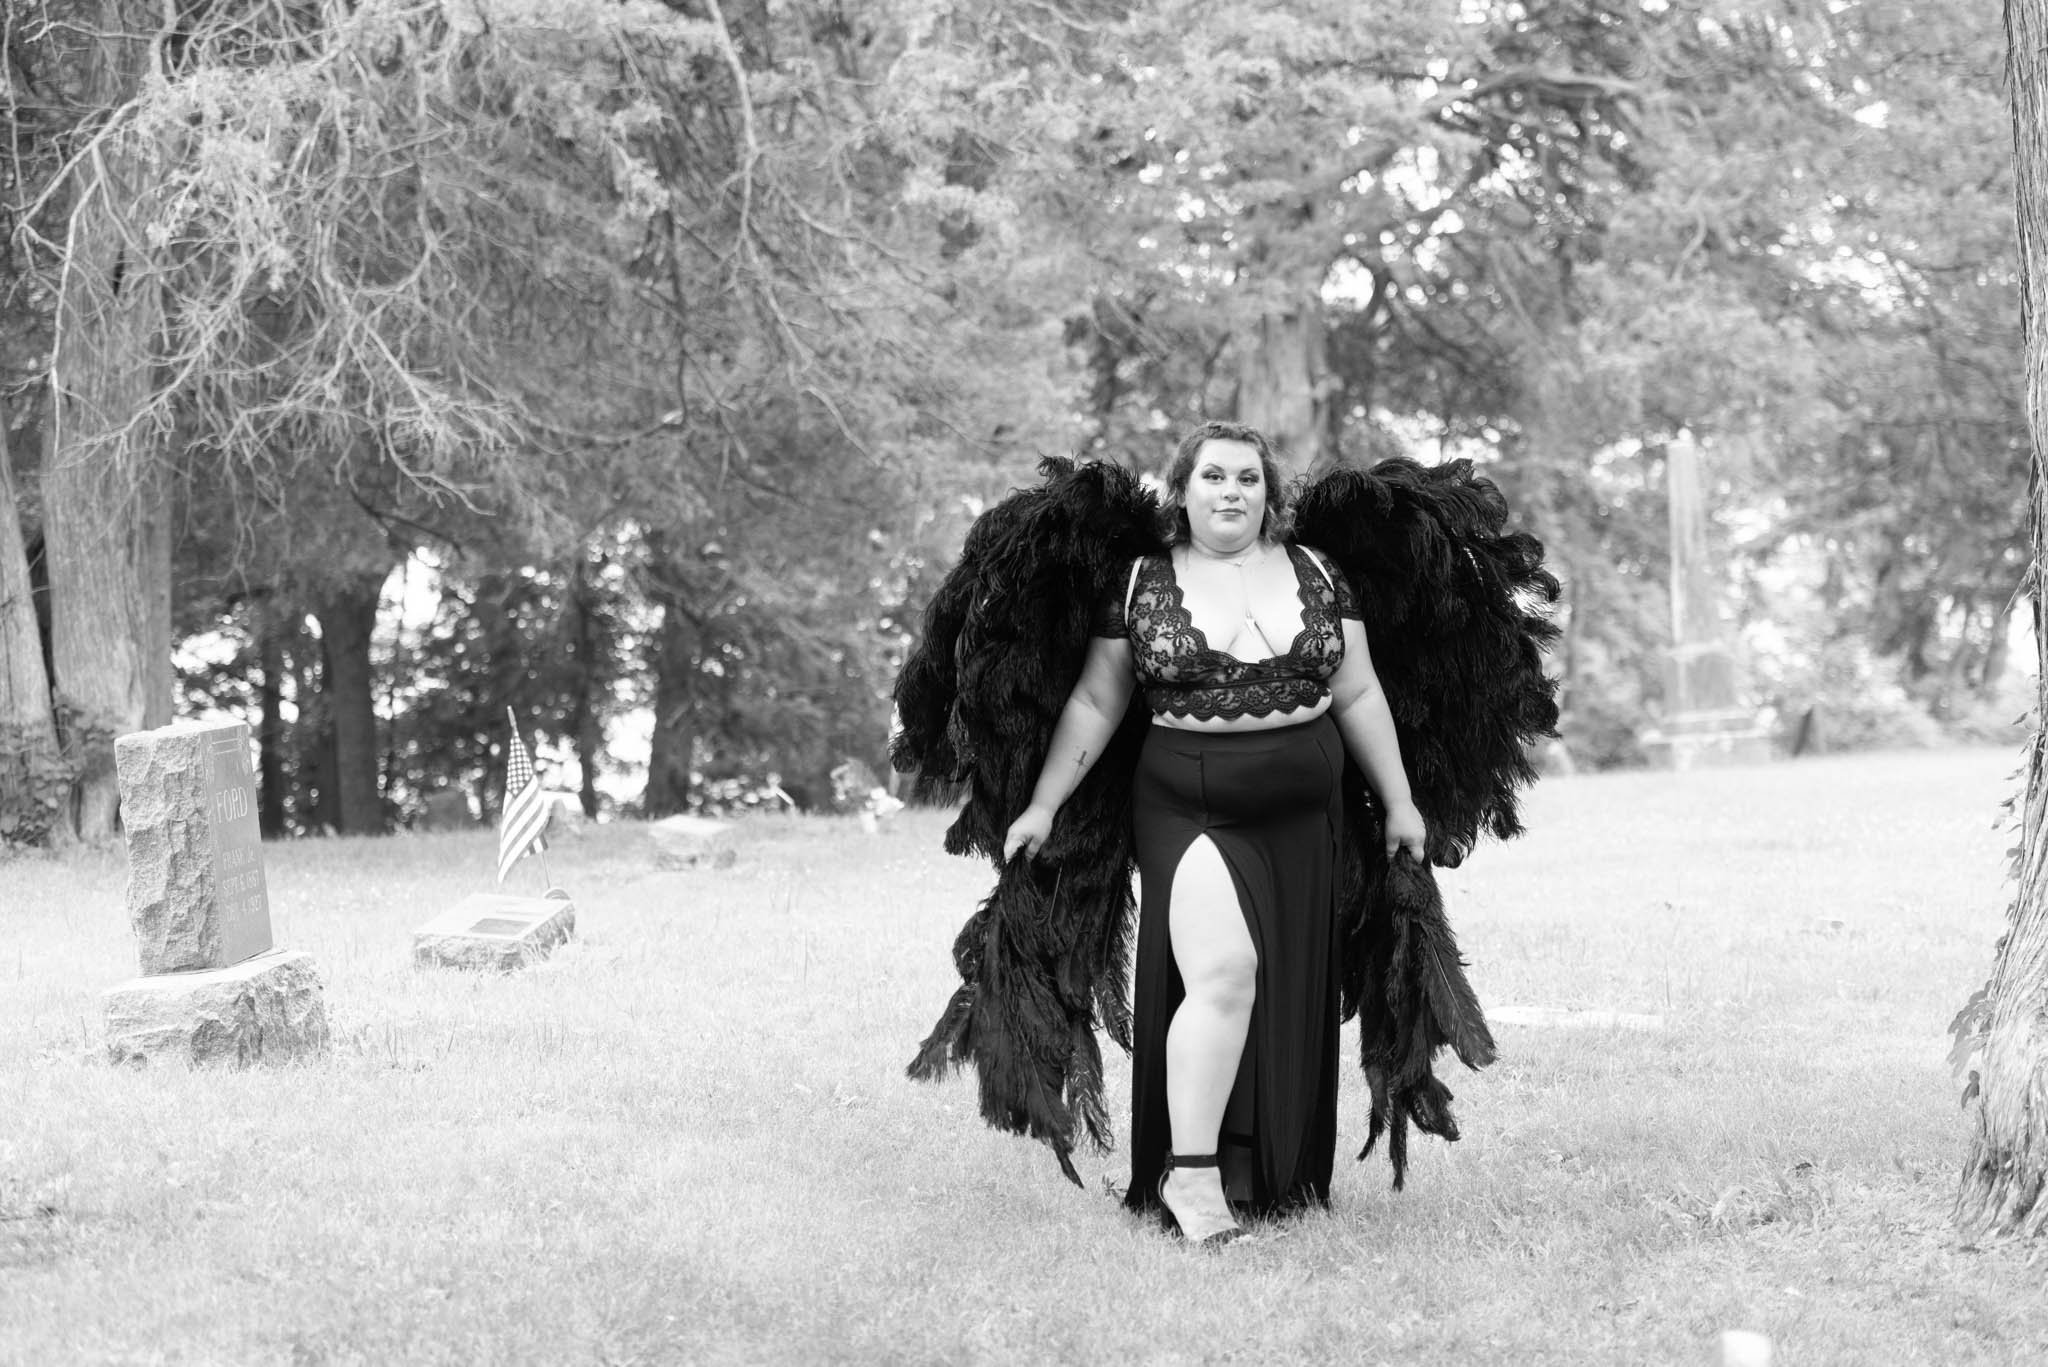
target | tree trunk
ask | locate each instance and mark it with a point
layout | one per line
(348, 620)
(675, 713)
(2004, 1032)
(1284, 385)
(1996, 650)
(589, 755)
(313, 799)
(106, 530)
(33, 790)
(270, 727)
(586, 725)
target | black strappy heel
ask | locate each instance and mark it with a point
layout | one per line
(1166, 1215)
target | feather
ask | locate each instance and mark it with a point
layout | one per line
(1456, 611)
(1455, 606)
(1453, 1008)
(1043, 960)
(943, 1049)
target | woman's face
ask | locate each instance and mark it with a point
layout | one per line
(1226, 495)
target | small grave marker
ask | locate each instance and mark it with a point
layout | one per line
(685, 841)
(489, 930)
(501, 925)
(1555, 1016)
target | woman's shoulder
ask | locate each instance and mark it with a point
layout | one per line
(1301, 552)
(1341, 591)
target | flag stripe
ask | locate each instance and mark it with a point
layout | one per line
(525, 817)
(520, 836)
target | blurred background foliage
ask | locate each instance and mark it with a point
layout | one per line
(638, 367)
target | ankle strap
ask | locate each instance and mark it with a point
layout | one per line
(1185, 1160)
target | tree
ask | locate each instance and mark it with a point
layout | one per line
(2002, 1034)
(106, 526)
(1304, 211)
(351, 256)
(34, 780)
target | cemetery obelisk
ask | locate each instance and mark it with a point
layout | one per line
(1705, 720)
(212, 990)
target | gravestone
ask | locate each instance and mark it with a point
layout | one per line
(1561, 1017)
(445, 809)
(213, 989)
(685, 841)
(1705, 719)
(262, 1010)
(565, 813)
(196, 896)
(494, 931)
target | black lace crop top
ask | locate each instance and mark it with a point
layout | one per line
(1184, 676)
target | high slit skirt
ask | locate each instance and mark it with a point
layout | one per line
(1272, 803)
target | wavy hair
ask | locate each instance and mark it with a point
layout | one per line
(1278, 522)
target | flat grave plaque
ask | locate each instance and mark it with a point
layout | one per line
(495, 931)
(501, 925)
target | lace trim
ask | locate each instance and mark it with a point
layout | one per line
(1186, 676)
(1228, 702)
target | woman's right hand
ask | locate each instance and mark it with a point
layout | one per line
(1028, 832)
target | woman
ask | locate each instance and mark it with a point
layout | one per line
(1255, 667)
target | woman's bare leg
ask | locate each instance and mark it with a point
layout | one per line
(1219, 967)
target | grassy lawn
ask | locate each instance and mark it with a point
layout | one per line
(687, 1138)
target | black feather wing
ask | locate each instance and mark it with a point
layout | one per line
(1042, 960)
(1455, 606)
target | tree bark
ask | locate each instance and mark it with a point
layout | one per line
(106, 529)
(31, 797)
(586, 724)
(270, 728)
(1284, 385)
(1997, 650)
(348, 620)
(2003, 1033)
(313, 784)
(675, 713)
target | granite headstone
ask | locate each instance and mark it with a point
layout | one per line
(196, 895)
(212, 989)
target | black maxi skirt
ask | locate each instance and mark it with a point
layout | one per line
(1272, 803)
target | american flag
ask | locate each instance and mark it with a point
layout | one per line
(526, 814)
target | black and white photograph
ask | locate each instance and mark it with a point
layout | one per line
(1284, 682)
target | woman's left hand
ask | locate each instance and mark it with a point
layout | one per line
(1404, 830)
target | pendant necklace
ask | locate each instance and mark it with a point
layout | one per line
(1256, 552)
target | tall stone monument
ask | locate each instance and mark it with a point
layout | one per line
(1705, 719)
(213, 989)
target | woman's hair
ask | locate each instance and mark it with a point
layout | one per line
(1173, 507)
